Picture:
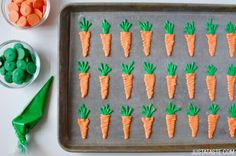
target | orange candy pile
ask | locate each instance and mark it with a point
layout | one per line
(26, 13)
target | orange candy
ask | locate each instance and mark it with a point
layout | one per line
(25, 9)
(33, 19)
(22, 22)
(13, 16)
(38, 4)
(13, 6)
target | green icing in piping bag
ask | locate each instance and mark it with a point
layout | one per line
(31, 115)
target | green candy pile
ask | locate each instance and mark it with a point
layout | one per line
(17, 64)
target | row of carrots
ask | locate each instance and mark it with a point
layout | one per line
(150, 78)
(148, 119)
(146, 36)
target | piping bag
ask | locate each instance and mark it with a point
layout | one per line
(31, 115)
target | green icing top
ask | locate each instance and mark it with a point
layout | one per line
(231, 70)
(230, 27)
(213, 109)
(126, 110)
(124, 26)
(105, 110)
(171, 109)
(232, 111)
(211, 70)
(105, 27)
(144, 26)
(193, 110)
(168, 27)
(83, 66)
(171, 69)
(211, 27)
(148, 111)
(148, 67)
(84, 24)
(104, 69)
(83, 111)
(190, 68)
(127, 68)
(189, 28)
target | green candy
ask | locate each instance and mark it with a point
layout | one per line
(28, 78)
(18, 45)
(31, 68)
(18, 76)
(8, 77)
(10, 54)
(2, 71)
(9, 65)
(2, 60)
(21, 53)
(21, 64)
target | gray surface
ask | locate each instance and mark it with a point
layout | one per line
(158, 57)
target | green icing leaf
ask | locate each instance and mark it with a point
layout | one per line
(104, 69)
(148, 111)
(172, 109)
(192, 110)
(168, 27)
(211, 27)
(144, 26)
(83, 111)
(232, 111)
(190, 68)
(127, 68)
(105, 27)
(211, 70)
(189, 28)
(124, 26)
(231, 70)
(213, 109)
(126, 110)
(148, 67)
(171, 69)
(83, 66)
(230, 27)
(106, 110)
(84, 24)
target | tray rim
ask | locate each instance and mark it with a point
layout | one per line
(63, 140)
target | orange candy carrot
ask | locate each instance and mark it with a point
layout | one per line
(231, 37)
(126, 117)
(83, 121)
(171, 118)
(169, 37)
(85, 36)
(211, 81)
(106, 37)
(149, 78)
(211, 36)
(212, 119)
(231, 81)
(171, 79)
(104, 78)
(232, 120)
(189, 30)
(148, 119)
(84, 76)
(125, 36)
(193, 119)
(190, 78)
(105, 119)
(127, 77)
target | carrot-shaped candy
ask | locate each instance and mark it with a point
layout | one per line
(169, 37)
(146, 36)
(125, 36)
(85, 35)
(127, 77)
(83, 120)
(171, 79)
(148, 119)
(126, 117)
(231, 37)
(104, 78)
(232, 120)
(149, 78)
(231, 81)
(105, 119)
(211, 36)
(211, 81)
(212, 119)
(171, 118)
(106, 37)
(189, 34)
(193, 119)
(190, 78)
(83, 68)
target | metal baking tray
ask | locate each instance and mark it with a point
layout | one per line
(69, 93)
